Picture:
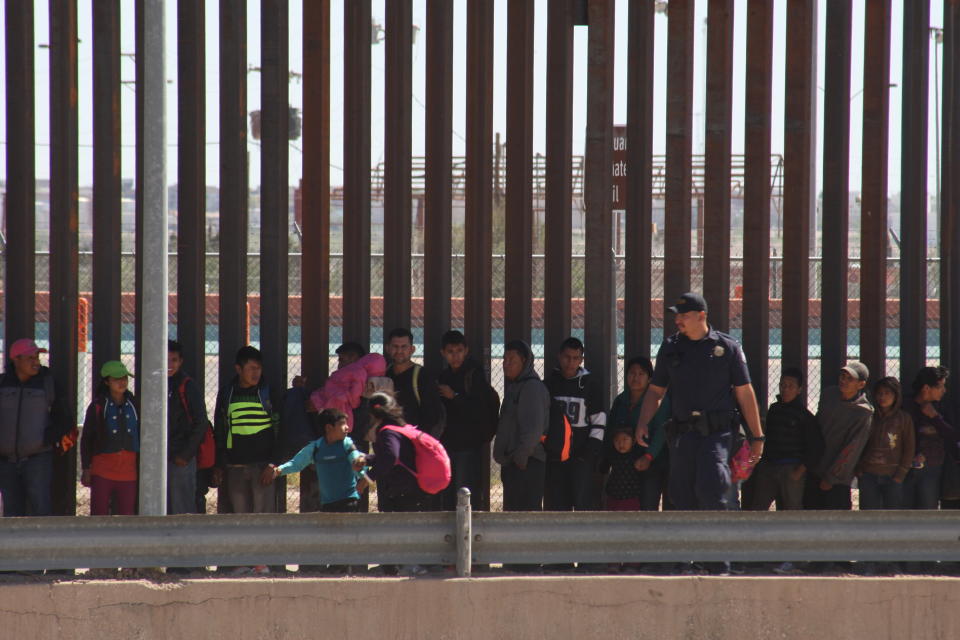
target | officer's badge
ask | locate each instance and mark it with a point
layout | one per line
(718, 351)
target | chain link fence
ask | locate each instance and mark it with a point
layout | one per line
(210, 361)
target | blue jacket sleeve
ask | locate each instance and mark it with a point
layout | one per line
(302, 460)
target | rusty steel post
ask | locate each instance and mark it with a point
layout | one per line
(191, 185)
(600, 304)
(438, 173)
(874, 235)
(19, 284)
(519, 201)
(716, 237)
(274, 190)
(397, 135)
(950, 198)
(356, 172)
(676, 278)
(64, 239)
(799, 199)
(756, 194)
(639, 216)
(836, 193)
(106, 184)
(559, 183)
(234, 192)
(138, 180)
(479, 178)
(913, 190)
(315, 192)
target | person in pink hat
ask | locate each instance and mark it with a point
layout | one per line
(33, 425)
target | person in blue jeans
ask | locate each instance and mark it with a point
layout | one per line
(889, 452)
(933, 436)
(34, 425)
(338, 463)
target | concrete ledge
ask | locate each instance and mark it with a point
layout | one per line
(564, 607)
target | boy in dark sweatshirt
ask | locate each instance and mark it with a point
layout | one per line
(793, 444)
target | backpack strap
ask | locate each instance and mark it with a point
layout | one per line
(416, 383)
(182, 390)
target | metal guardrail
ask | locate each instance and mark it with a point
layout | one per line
(464, 538)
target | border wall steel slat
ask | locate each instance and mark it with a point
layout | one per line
(716, 232)
(274, 190)
(950, 228)
(799, 199)
(191, 186)
(676, 277)
(479, 178)
(64, 237)
(757, 195)
(356, 172)
(913, 189)
(836, 192)
(397, 145)
(234, 191)
(138, 181)
(315, 192)
(438, 172)
(519, 202)
(873, 212)
(107, 283)
(601, 328)
(639, 215)
(559, 182)
(20, 278)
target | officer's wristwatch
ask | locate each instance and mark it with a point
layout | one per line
(756, 438)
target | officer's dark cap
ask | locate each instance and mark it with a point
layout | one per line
(689, 302)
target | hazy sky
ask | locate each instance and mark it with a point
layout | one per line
(419, 53)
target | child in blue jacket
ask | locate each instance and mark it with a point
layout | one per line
(338, 463)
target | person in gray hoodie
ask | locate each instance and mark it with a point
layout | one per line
(845, 416)
(517, 446)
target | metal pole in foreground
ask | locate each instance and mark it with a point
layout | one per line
(153, 370)
(464, 533)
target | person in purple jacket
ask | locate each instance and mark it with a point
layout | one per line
(391, 463)
(921, 489)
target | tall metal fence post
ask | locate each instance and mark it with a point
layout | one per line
(464, 533)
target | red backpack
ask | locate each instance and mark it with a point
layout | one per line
(207, 453)
(433, 463)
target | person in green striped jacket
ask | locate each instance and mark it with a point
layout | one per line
(246, 429)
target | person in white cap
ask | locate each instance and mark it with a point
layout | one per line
(33, 424)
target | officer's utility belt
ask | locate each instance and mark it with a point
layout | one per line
(704, 423)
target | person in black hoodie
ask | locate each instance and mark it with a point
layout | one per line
(793, 444)
(186, 426)
(570, 484)
(471, 423)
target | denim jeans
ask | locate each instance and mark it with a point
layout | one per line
(921, 488)
(181, 487)
(26, 486)
(880, 492)
(465, 472)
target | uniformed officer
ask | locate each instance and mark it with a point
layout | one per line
(707, 375)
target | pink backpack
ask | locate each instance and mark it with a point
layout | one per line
(433, 463)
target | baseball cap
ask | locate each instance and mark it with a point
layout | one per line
(114, 369)
(689, 302)
(25, 347)
(857, 369)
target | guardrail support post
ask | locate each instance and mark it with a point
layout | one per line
(464, 533)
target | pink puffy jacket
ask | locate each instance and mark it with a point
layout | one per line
(343, 388)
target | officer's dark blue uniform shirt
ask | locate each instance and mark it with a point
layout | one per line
(701, 375)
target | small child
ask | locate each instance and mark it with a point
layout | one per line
(338, 463)
(110, 444)
(622, 490)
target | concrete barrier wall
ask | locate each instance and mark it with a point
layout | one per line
(514, 608)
